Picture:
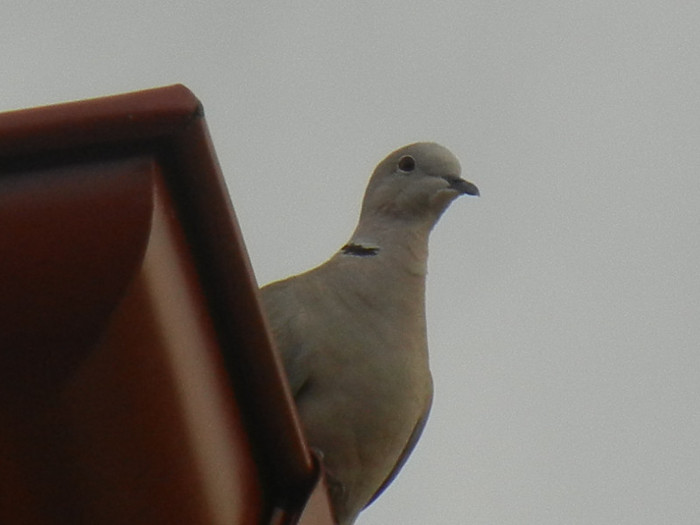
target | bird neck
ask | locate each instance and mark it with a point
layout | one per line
(404, 245)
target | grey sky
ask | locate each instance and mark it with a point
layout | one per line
(562, 305)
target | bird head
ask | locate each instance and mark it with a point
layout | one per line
(415, 183)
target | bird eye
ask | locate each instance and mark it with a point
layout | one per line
(407, 163)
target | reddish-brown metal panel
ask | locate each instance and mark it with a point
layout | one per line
(70, 241)
(116, 120)
(116, 405)
(140, 383)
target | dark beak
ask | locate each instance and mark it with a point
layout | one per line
(463, 186)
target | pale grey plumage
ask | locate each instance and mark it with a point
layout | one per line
(352, 331)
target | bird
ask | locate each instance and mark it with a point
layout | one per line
(351, 332)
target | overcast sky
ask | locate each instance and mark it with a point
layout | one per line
(562, 305)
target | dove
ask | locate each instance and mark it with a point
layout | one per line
(352, 331)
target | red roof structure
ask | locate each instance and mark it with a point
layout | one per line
(138, 380)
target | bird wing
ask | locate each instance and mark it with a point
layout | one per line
(410, 444)
(282, 309)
